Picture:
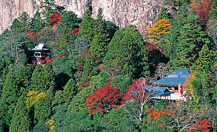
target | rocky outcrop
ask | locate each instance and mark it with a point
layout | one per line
(141, 13)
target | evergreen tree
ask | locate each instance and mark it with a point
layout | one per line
(130, 52)
(200, 82)
(213, 11)
(114, 45)
(58, 100)
(205, 61)
(40, 127)
(48, 77)
(122, 83)
(25, 22)
(99, 45)
(214, 93)
(70, 90)
(43, 109)
(37, 22)
(59, 118)
(15, 24)
(88, 70)
(22, 78)
(36, 79)
(162, 14)
(184, 40)
(9, 98)
(86, 26)
(21, 120)
(62, 46)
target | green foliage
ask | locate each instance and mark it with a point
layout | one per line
(117, 120)
(162, 14)
(25, 22)
(114, 45)
(58, 100)
(60, 117)
(9, 98)
(21, 120)
(22, 78)
(69, 19)
(122, 83)
(70, 90)
(37, 24)
(48, 76)
(99, 45)
(43, 107)
(214, 93)
(77, 103)
(86, 26)
(36, 79)
(2, 125)
(48, 8)
(88, 69)
(15, 24)
(183, 40)
(40, 127)
(130, 52)
(64, 70)
(205, 62)
(213, 11)
(200, 82)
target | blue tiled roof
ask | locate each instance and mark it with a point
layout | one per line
(175, 78)
(159, 90)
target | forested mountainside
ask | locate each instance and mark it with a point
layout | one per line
(63, 73)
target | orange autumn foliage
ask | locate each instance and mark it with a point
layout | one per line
(186, 83)
(159, 30)
(196, 3)
(155, 114)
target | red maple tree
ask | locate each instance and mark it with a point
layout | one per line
(74, 32)
(203, 11)
(80, 67)
(55, 18)
(136, 92)
(42, 61)
(30, 35)
(49, 59)
(104, 99)
(152, 47)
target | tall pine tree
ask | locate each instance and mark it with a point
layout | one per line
(43, 108)
(86, 26)
(21, 120)
(48, 76)
(70, 89)
(213, 11)
(99, 45)
(36, 79)
(9, 98)
(130, 52)
(162, 14)
(22, 78)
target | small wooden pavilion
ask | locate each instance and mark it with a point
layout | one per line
(40, 52)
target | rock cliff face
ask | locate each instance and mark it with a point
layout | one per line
(141, 13)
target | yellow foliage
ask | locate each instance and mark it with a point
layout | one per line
(54, 26)
(32, 97)
(159, 30)
(49, 125)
